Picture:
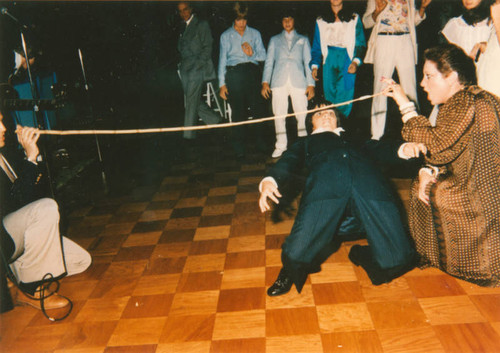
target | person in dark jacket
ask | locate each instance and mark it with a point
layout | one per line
(340, 180)
(31, 245)
(195, 67)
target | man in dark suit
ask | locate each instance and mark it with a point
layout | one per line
(195, 68)
(30, 243)
(341, 180)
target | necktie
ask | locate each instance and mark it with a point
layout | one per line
(7, 169)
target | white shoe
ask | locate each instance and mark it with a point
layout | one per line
(277, 153)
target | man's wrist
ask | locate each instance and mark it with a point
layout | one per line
(33, 160)
(269, 179)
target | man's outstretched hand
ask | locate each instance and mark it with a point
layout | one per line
(268, 190)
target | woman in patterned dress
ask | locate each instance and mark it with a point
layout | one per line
(455, 201)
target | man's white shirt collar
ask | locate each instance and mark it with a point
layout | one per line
(321, 129)
(189, 21)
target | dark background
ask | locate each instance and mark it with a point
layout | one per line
(129, 48)
(129, 54)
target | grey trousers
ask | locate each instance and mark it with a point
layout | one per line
(193, 84)
(38, 246)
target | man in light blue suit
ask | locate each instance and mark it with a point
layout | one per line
(287, 69)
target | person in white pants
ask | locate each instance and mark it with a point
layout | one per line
(34, 229)
(392, 45)
(287, 69)
(30, 243)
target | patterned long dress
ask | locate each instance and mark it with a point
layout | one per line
(459, 232)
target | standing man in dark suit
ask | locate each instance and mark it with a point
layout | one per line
(196, 67)
(340, 180)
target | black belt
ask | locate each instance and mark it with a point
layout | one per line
(229, 68)
(392, 33)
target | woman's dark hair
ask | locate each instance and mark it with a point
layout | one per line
(478, 13)
(345, 14)
(449, 58)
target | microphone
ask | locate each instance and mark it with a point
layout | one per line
(6, 12)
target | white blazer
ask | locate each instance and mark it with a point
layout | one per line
(282, 62)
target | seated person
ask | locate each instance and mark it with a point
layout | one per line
(340, 180)
(29, 233)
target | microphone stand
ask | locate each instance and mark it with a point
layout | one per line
(37, 120)
(99, 154)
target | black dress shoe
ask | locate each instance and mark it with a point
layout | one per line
(361, 256)
(282, 285)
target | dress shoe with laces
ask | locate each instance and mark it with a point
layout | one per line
(282, 285)
(55, 301)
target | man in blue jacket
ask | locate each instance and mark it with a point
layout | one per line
(287, 70)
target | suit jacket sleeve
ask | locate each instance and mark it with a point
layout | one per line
(307, 58)
(270, 60)
(206, 41)
(27, 187)
(290, 164)
(368, 21)
(316, 54)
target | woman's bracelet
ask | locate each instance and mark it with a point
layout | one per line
(407, 107)
(407, 111)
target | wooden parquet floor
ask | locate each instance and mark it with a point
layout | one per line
(182, 265)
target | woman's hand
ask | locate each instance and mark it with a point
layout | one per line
(395, 91)
(314, 73)
(478, 49)
(353, 67)
(425, 181)
(310, 92)
(413, 149)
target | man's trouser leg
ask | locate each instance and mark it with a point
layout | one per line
(192, 86)
(389, 243)
(299, 104)
(280, 108)
(35, 232)
(236, 85)
(314, 229)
